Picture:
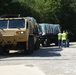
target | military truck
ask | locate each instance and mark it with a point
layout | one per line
(48, 33)
(19, 33)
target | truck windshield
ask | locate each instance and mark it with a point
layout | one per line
(17, 23)
(3, 24)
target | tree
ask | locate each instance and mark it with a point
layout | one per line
(67, 15)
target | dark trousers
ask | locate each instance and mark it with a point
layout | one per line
(59, 43)
(63, 43)
(67, 42)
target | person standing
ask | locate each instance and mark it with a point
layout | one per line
(67, 40)
(64, 36)
(59, 39)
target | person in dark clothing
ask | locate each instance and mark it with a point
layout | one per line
(67, 40)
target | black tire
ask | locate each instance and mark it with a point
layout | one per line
(46, 43)
(37, 44)
(30, 46)
(6, 51)
(1, 50)
(56, 42)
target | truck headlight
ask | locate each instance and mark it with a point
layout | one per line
(19, 32)
(22, 32)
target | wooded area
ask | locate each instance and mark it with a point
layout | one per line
(62, 12)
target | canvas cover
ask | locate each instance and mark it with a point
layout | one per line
(45, 28)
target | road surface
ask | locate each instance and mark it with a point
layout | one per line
(46, 61)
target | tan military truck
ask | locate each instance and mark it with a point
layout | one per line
(19, 33)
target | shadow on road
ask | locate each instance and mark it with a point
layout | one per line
(42, 52)
(47, 52)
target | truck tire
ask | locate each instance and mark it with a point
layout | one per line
(30, 46)
(1, 50)
(6, 51)
(37, 45)
(46, 43)
(56, 42)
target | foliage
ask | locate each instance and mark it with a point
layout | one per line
(47, 11)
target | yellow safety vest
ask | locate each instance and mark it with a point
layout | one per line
(59, 36)
(64, 36)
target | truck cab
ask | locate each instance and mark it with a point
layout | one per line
(18, 34)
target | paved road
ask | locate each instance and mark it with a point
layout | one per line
(48, 60)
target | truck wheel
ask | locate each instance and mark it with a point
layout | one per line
(56, 42)
(1, 50)
(6, 51)
(30, 46)
(37, 44)
(46, 43)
